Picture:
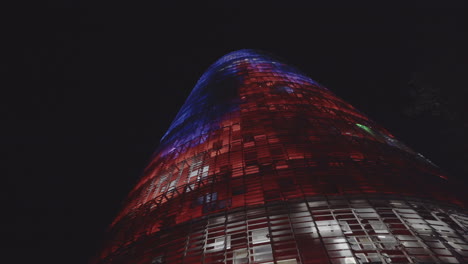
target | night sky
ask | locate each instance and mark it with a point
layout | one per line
(90, 88)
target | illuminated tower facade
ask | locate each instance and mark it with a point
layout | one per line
(264, 165)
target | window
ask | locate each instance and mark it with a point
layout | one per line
(221, 241)
(193, 174)
(207, 198)
(172, 185)
(379, 227)
(211, 197)
(345, 227)
(260, 236)
(241, 256)
(204, 172)
(194, 167)
(287, 261)
(368, 258)
(263, 253)
(161, 183)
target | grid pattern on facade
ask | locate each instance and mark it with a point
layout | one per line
(317, 230)
(281, 123)
(254, 134)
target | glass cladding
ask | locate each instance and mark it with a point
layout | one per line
(318, 230)
(264, 165)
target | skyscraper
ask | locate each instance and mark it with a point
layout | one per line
(264, 165)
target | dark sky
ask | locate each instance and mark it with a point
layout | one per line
(89, 89)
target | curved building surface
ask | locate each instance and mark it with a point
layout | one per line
(264, 165)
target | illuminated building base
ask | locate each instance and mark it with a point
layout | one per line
(317, 230)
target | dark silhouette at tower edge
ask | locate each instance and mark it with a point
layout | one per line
(264, 165)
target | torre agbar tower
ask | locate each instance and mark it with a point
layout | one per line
(264, 165)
